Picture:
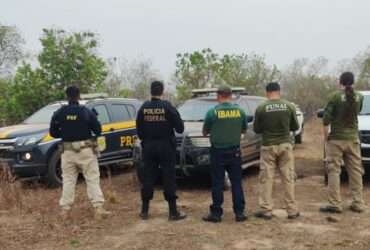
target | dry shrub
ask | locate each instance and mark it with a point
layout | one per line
(10, 190)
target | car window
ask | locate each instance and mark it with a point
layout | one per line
(43, 115)
(131, 109)
(366, 105)
(244, 105)
(253, 104)
(103, 115)
(120, 113)
(196, 110)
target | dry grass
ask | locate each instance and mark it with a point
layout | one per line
(29, 216)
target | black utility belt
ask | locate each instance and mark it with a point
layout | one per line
(227, 148)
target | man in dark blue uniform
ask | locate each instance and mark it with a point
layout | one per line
(76, 125)
(156, 122)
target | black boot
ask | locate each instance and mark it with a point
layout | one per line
(174, 214)
(144, 210)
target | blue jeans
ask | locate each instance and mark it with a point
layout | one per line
(226, 160)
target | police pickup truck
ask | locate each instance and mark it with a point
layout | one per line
(193, 149)
(30, 152)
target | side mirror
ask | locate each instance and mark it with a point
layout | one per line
(95, 112)
(320, 113)
(250, 118)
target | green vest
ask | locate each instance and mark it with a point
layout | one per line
(225, 123)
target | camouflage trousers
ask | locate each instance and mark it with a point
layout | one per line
(339, 151)
(280, 157)
(84, 161)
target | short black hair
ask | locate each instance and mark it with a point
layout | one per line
(272, 86)
(156, 88)
(347, 79)
(73, 93)
(224, 90)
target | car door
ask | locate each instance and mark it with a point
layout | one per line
(123, 128)
(105, 120)
(255, 140)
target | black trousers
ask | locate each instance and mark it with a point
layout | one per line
(159, 154)
(229, 160)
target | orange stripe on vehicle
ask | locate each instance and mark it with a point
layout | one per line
(105, 128)
(118, 126)
(6, 133)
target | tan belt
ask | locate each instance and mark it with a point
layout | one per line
(78, 145)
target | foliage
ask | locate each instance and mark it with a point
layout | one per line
(10, 48)
(130, 78)
(205, 68)
(307, 84)
(66, 58)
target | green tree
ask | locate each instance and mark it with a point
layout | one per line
(195, 70)
(65, 58)
(205, 68)
(71, 57)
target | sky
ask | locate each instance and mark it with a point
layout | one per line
(281, 30)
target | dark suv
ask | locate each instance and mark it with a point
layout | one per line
(193, 148)
(31, 152)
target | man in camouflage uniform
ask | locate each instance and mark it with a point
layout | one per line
(275, 119)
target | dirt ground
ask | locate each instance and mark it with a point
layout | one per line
(29, 215)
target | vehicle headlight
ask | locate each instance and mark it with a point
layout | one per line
(29, 140)
(203, 142)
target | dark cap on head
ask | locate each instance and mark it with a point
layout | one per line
(272, 86)
(224, 90)
(73, 93)
(156, 88)
(347, 79)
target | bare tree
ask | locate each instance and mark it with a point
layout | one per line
(10, 48)
(130, 78)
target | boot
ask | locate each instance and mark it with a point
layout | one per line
(101, 213)
(174, 214)
(144, 214)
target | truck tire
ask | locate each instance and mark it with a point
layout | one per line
(54, 175)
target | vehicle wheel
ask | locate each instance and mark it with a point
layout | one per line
(54, 175)
(298, 138)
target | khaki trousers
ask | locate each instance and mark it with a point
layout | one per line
(280, 157)
(85, 162)
(349, 152)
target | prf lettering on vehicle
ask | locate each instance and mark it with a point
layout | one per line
(154, 115)
(276, 107)
(225, 114)
(127, 141)
(71, 117)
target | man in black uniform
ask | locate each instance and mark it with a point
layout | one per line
(75, 125)
(156, 122)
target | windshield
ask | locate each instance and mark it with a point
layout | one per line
(366, 106)
(195, 110)
(43, 115)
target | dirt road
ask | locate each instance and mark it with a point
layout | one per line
(31, 222)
